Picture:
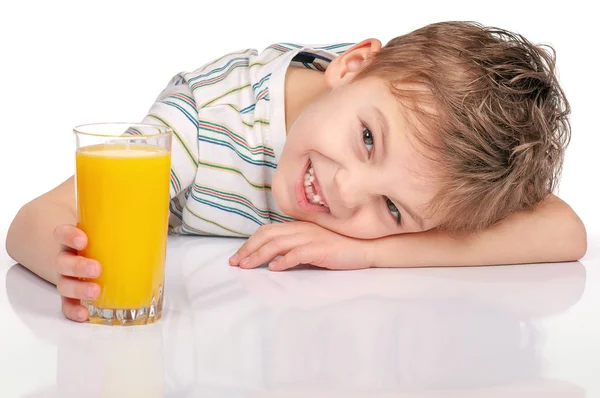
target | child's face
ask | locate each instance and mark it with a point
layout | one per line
(341, 136)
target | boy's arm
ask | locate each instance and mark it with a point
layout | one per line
(551, 232)
(29, 240)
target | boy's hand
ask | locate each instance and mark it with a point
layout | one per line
(70, 268)
(300, 242)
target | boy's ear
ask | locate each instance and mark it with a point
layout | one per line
(343, 69)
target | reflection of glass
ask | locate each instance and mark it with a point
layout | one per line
(122, 184)
(118, 363)
(141, 361)
(435, 333)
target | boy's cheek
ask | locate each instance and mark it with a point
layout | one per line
(277, 188)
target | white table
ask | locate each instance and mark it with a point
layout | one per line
(518, 331)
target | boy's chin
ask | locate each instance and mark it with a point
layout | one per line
(279, 194)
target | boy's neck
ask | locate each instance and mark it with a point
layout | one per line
(302, 88)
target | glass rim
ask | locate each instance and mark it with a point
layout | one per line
(161, 130)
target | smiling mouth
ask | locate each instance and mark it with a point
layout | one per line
(312, 189)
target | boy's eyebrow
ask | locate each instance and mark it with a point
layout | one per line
(384, 128)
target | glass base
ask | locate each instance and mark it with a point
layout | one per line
(126, 316)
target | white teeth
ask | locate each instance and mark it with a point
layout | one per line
(310, 191)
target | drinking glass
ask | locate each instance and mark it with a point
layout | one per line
(122, 189)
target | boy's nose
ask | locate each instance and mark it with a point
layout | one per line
(352, 192)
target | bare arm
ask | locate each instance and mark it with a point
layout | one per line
(552, 232)
(30, 237)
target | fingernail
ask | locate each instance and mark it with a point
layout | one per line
(93, 292)
(245, 262)
(79, 242)
(234, 258)
(92, 269)
(81, 314)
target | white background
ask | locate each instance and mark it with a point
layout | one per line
(71, 62)
(65, 63)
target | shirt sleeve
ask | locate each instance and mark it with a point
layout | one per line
(175, 107)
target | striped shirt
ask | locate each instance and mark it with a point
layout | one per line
(228, 119)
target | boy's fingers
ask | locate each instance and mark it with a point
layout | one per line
(271, 249)
(73, 310)
(258, 239)
(77, 289)
(70, 264)
(70, 236)
(244, 251)
(247, 248)
(304, 254)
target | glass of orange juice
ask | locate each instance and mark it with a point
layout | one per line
(122, 188)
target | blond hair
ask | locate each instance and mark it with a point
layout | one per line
(494, 116)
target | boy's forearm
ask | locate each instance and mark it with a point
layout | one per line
(30, 238)
(552, 232)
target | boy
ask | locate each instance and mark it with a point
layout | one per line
(441, 148)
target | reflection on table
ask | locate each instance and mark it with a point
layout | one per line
(227, 332)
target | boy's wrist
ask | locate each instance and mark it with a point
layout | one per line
(383, 252)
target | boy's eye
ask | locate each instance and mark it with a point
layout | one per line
(393, 210)
(367, 138)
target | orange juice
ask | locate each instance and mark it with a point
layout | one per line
(122, 206)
